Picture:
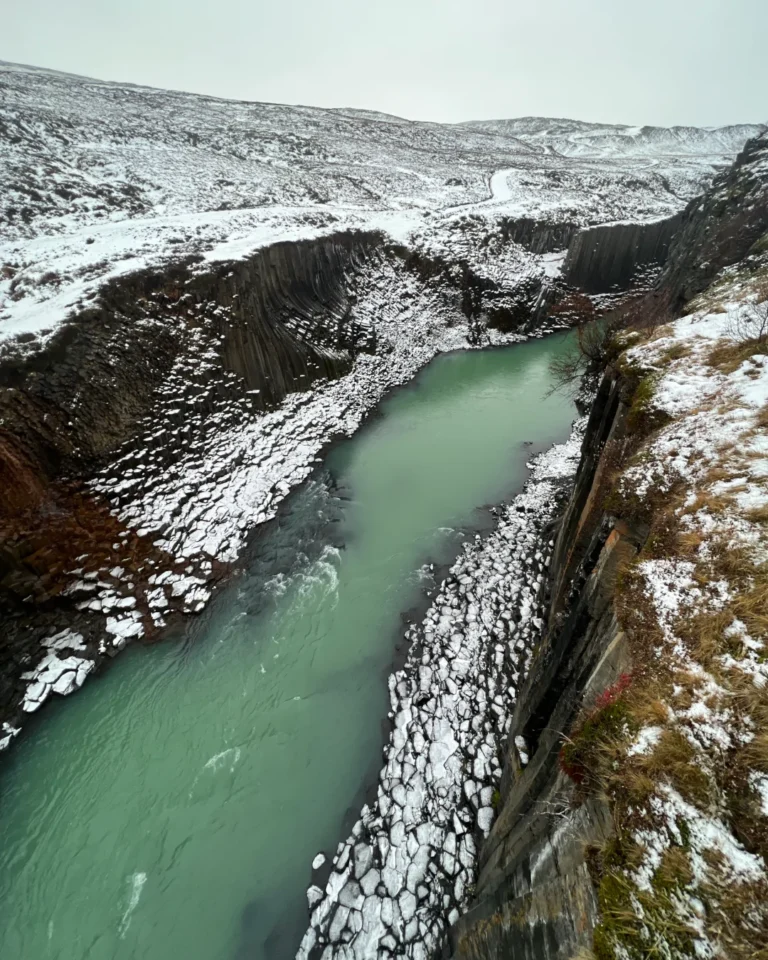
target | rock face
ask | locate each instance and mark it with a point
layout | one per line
(720, 228)
(278, 319)
(535, 895)
(609, 256)
(159, 356)
(295, 299)
(539, 236)
(161, 360)
(534, 892)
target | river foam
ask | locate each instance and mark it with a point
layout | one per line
(136, 882)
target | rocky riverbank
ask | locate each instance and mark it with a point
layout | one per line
(407, 870)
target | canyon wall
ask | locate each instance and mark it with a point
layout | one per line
(535, 895)
(277, 321)
(538, 236)
(278, 318)
(160, 363)
(721, 228)
(609, 256)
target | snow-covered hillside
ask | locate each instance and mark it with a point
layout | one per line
(574, 138)
(101, 179)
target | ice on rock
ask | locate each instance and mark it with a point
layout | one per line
(387, 911)
(338, 923)
(7, 733)
(336, 882)
(397, 834)
(421, 823)
(57, 675)
(467, 851)
(351, 896)
(342, 857)
(65, 640)
(35, 695)
(370, 882)
(363, 859)
(407, 902)
(125, 628)
(393, 881)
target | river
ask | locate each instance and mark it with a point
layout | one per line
(173, 807)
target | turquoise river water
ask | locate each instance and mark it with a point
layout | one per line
(172, 808)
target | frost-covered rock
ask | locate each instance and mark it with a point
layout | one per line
(419, 834)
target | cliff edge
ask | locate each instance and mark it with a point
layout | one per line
(633, 815)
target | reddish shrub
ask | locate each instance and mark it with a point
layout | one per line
(611, 694)
(608, 720)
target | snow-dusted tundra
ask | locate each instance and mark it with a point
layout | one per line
(99, 181)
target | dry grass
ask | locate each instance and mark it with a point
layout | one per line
(738, 915)
(650, 710)
(637, 615)
(620, 930)
(676, 352)
(758, 515)
(674, 761)
(584, 953)
(730, 583)
(706, 500)
(728, 357)
(675, 869)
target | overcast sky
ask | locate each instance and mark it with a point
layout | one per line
(665, 62)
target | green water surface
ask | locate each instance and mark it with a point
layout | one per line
(171, 809)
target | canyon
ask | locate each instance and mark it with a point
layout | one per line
(200, 298)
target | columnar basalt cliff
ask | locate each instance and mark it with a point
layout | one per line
(539, 236)
(609, 256)
(721, 228)
(257, 330)
(279, 317)
(161, 362)
(557, 868)
(535, 895)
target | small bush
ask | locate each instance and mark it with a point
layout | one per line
(644, 417)
(749, 324)
(588, 358)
